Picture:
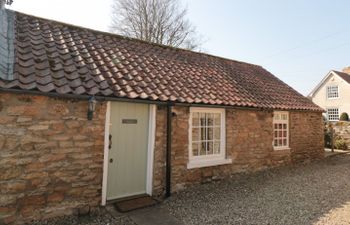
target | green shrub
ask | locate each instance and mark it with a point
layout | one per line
(340, 144)
(344, 117)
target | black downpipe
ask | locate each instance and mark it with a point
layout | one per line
(168, 152)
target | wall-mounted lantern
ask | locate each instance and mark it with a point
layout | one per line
(91, 108)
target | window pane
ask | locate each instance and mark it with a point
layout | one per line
(202, 119)
(333, 114)
(284, 142)
(210, 133)
(217, 133)
(332, 92)
(216, 147)
(210, 148)
(217, 119)
(203, 134)
(210, 118)
(195, 134)
(276, 116)
(195, 149)
(280, 126)
(203, 147)
(285, 133)
(206, 133)
(195, 119)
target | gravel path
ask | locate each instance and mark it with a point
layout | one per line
(102, 217)
(316, 193)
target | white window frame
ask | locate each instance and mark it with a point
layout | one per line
(332, 108)
(208, 160)
(273, 128)
(329, 90)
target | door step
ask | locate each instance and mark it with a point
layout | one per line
(135, 203)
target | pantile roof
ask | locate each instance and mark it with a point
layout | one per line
(55, 57)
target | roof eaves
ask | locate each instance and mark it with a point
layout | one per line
(311, 94)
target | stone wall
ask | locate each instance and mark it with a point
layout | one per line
(306, 136)
(342, 130)
(248, 143)
(51, 157)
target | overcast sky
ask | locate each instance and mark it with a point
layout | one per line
(299, 41)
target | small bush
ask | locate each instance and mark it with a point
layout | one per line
(344, 117)
(340, 144)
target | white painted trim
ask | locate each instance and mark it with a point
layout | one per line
(150, 152)
(276, 148)
(105, 155)
(323, 81)
(200, 164)
(312, 93)
(211, 160)
(327, 115)
(332, 86)
(281, 148)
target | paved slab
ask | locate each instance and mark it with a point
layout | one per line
(153, 216)
(329, 153)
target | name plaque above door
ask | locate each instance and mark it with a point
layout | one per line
(129, 121)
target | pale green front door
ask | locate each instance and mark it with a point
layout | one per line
(127, 165)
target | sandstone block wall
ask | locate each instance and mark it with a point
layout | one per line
(342, 130)
(51, 157)
(306, 136)
(249, 136)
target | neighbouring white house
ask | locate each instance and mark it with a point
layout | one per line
(333, 94)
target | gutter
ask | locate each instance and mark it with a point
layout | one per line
(118, 99)
(80, 97)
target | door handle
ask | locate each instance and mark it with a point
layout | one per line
(111, 160)
(110, 142)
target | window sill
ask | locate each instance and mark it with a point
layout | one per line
(282, 149)
(208, 163)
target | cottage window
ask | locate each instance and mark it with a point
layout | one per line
(332, 92)
(280, 130)
(207, 137)
(333, 114)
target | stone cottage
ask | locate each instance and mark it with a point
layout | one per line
(87, 117)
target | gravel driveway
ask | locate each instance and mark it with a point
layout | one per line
(316, 193)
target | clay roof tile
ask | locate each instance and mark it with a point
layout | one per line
(56, 57)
